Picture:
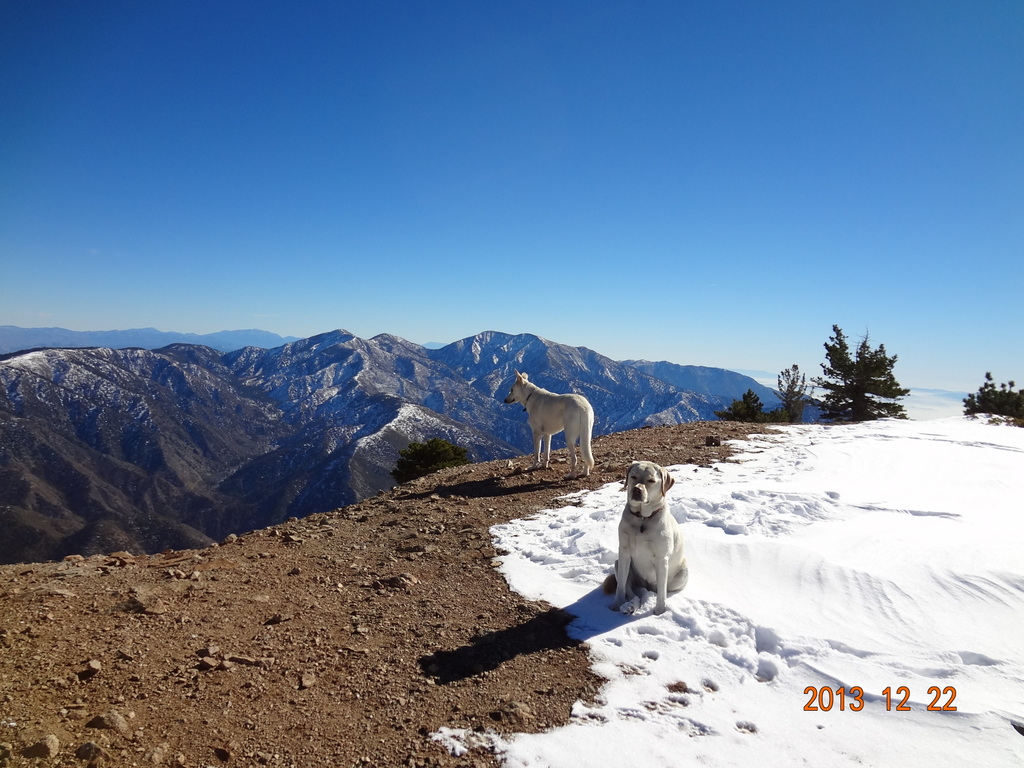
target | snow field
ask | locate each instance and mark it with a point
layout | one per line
(852, 569)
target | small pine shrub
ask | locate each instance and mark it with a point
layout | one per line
(997, 401)
(751, 409)
(423, 458)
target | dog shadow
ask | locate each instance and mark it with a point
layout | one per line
(488, 487)
(592, 615)
(488, 651)
(589, 616)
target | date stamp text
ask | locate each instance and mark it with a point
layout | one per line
(826, 698)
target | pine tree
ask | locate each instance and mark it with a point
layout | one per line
(423, 458)
(750, 408)
(1003, 401)
(793, 393)
(859, 387)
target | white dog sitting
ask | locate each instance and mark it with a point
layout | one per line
(650, 540)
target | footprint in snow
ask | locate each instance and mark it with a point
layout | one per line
(767, 669)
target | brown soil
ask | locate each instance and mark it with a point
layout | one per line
(341, 639)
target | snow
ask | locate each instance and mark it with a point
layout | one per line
(33, 362)
(883, 555)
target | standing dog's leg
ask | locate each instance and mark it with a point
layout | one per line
(538, 437)
(571, 444)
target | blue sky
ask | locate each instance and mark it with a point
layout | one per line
(711, 183)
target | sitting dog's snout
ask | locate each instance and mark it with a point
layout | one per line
(639, 493)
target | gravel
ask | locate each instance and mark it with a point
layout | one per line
(341, 639)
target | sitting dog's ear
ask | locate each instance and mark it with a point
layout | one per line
(667, 481)
(628, 470)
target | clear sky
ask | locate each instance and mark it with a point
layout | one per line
(710, 183)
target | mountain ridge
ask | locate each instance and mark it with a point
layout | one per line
(14, 338)
(186, 444)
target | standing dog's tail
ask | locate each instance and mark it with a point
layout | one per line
(585, 437)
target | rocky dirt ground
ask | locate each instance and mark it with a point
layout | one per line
(341, 639)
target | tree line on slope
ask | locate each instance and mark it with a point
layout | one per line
(859, 385)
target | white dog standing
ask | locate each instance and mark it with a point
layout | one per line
(549, 414)
(650, 540)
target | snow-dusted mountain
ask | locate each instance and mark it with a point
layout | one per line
(716, 382)
(623, 397)
(104, 449)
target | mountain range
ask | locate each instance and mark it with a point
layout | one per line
(105, 449)
(13, 338)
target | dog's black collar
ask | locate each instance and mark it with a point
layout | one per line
(655, 513)
(645, 520)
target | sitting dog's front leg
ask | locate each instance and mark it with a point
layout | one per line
(661, 573)
(623, 589)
